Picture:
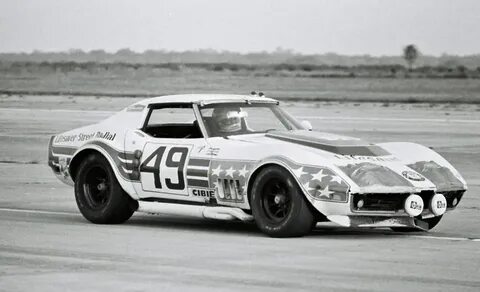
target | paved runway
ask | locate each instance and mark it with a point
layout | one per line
(45, 244)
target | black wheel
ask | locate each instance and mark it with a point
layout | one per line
(99, 196)
(278, 204)
(432, 222)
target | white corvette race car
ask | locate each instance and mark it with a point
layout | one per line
(241, 157)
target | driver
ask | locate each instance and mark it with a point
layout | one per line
(227, 120)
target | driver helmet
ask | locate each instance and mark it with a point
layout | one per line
(227, 119)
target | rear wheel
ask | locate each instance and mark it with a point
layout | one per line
(278, 204)
(432, 222)
(99, 196)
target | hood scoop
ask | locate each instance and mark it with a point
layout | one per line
(337, 144)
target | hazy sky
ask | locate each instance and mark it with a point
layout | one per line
(377, 27)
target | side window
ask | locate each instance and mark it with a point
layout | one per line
(173, 121)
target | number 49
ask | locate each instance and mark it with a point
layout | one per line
(169, 162)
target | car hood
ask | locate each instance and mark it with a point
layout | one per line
(370, 167)
(301, 142)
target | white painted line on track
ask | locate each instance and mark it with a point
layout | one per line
(390, 119)
(38, 211)
(32, 211)
(446, 238)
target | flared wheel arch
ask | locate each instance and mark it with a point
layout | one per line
(259, 168)
(83, 153)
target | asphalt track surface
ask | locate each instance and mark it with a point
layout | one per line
(45, 244)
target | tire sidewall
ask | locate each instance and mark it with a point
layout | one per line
(103, 214)
(299, 219)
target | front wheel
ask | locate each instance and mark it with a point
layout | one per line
(279, 206)
(432, 222)
(99, 196)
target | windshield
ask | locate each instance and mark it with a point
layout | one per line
(225, 119)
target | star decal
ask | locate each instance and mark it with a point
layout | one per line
(230, 171)
(336, 179)
(243, 172)
(325, 193)
(299, 172)
(216, 171)
(309, 189)
(319, 175)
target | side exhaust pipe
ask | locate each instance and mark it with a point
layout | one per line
(206, 212)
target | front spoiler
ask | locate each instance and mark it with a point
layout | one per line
(378, 221)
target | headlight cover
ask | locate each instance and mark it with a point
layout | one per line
(368, 174)
(441, 176)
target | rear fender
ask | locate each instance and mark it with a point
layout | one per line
(124, 182)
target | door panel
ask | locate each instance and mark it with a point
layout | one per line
(166, 169)
(163, 168)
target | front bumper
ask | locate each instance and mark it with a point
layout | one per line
(384, 209)
(393, 204)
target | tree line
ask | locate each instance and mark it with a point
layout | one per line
(410, 57)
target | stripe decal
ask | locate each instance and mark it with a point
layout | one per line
(122, 160)
(197, 173)
(128, 167)
(360, 150)
(125, 167)
(197, 183)
(126, 156)
(199, 162)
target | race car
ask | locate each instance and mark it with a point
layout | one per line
(242, 157)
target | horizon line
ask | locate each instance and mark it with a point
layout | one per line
(200, 50)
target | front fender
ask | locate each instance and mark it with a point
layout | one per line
(428, 163)
(323, 186)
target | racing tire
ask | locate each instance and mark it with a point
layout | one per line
(279, 206)
(432, 222)
(99, 196)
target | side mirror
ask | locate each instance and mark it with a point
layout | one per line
(306, 125)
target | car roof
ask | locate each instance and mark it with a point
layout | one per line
(209, 98)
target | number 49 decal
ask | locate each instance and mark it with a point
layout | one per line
(167, 164)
